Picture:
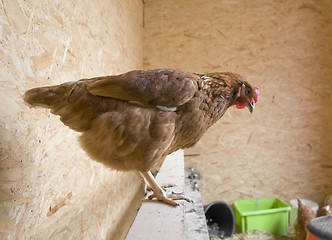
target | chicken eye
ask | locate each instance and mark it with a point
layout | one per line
(248, 92)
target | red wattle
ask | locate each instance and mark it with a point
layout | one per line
(240, 104)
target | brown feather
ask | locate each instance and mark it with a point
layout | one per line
(304, 215)
(163, 87)
(133, 120)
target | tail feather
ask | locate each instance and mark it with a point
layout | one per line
(75, 106)
(41, 97)
(47, 96)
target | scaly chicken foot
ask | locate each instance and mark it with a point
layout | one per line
(172, 196)
(147, 188)
(160, 194)
(163, 198)
(163, 187)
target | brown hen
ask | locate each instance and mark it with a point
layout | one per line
(304, 215)
(325, 211)
(134, 120)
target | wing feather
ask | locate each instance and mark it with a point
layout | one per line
(159, 87)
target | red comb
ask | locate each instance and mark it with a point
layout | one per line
(256, 98)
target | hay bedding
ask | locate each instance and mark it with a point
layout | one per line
(260, 235)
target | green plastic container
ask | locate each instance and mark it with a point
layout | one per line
(268, 214)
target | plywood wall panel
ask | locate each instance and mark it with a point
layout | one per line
(43, 169)
(284, 148)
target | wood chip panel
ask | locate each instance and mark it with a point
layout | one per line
(50, 189)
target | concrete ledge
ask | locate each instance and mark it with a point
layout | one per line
(194, 217)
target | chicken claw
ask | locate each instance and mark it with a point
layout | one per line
(163, 187)
(160, 194)
(179, 196)
(163, 198)
(169, 197)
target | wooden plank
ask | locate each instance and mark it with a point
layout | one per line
(160, 221)
(46, 42)
(15, 16)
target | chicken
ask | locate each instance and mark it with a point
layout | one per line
(134, 120)
(304, 215)
(325, 211)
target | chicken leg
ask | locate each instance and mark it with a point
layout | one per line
(159, 193)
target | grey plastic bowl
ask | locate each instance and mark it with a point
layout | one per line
(220, 214)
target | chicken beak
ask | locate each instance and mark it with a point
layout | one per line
(251, 105)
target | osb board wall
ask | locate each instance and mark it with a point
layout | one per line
(42, 166)
(284, 148)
